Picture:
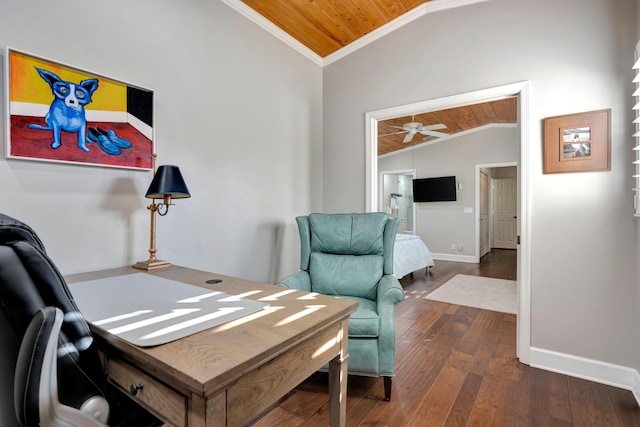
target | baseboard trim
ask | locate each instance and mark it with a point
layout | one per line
(587, 369)
(454, 257)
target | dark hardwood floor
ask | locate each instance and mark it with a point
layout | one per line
(456, 366)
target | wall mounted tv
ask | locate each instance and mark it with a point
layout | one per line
(440, 189)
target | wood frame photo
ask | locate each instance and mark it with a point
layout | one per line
(578, 142)
(58, 113)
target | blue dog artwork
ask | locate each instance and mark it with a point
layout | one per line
(67, 114)
(67, 109)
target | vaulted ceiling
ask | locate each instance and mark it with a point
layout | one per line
(327, 26)
(324, 26)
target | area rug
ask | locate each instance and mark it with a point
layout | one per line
(479, 292)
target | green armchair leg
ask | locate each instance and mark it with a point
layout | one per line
(387, 388)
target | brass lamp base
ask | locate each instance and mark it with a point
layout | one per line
(151, 265)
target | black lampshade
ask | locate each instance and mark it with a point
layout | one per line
(167, 181)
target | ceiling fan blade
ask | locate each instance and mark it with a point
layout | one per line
(434, 133)
(393, 133)
(409, 136)
(398, 127)
(434, 127)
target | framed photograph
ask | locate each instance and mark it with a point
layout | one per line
(59, 113)
(578, 142)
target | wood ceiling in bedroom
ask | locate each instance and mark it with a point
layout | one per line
(456, 120)
(324, 26)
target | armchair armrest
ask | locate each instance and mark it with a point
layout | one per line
(389, 294)
(299, 280)
(389, 290)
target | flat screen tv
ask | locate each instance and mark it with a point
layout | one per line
(440, 189)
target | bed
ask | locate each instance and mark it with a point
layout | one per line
(410, 254)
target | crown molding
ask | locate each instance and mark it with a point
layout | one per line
(270, 27)
(399, 22)
(389, 27)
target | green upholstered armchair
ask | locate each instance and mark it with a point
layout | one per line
(351, 256)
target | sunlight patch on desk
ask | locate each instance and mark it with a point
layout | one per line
(247, 294)
(153, 320)
(324, 348)
(312, 295)
(275, 297)
(248, 318)
(328, 345)
(309, 310)
(188, 323)
(147, 310)
(200, 297)
(125, 316)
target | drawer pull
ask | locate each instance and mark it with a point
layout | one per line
(134, 389)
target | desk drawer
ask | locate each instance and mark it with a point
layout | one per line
(163, 401)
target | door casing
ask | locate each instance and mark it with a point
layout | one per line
(522, 91)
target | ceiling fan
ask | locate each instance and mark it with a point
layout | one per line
(413, 127)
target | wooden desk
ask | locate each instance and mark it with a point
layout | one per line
(230, 374)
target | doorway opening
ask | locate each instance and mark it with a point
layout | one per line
(396, 198)
(519, 90)
(496, 205)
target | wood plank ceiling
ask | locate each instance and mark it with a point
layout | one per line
(324, 26)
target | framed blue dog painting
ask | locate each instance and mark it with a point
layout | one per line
(58, 113)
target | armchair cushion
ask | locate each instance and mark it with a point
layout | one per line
(345, 275)
(365, 321)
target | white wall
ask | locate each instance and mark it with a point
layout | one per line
(577, 54)
(236, 109)
(441, 224)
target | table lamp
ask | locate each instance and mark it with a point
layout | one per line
(167, 184)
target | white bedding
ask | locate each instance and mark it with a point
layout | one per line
(410, 254)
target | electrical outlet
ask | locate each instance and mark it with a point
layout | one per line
(460, 248)
(453, 246)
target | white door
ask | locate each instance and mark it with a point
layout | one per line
(485, 243)
(504, 213)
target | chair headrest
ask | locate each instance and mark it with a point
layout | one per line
(12, 230)
(348, 234)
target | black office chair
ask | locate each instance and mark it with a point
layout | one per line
(56, 343)
(36, 380)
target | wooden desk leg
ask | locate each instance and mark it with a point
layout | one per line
(338, 382)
